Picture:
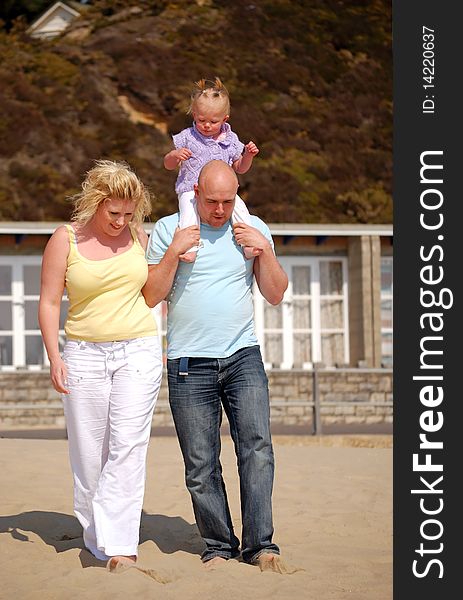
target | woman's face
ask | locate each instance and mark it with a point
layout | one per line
(113, 215)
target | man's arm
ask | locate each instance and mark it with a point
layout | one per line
(161, 276)
(270, 277)
(269, 274)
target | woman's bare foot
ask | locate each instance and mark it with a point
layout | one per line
(214, 563)
(117, 564)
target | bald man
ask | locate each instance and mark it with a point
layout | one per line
(214, 362)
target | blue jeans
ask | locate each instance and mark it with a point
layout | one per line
(240, 384)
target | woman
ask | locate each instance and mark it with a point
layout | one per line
(110, 372)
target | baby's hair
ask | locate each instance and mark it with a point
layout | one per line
(211, 91)
(110, 179)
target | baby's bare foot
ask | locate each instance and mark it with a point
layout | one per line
(251, 251)
(188, 257)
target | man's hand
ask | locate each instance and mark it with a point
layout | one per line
(246, 235)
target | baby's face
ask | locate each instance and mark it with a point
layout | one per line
(209, 121)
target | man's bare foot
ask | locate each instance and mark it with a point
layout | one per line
(117, 564)
(214, 563)
(273, 562)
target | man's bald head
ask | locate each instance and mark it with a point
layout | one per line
(215, 193)
(217, 170)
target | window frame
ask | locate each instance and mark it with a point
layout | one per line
(315, 296)
(384, 297)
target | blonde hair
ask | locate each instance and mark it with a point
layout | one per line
(110, 179)
(212, 92)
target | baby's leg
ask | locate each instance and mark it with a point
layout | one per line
(241, 215)
(188, 216)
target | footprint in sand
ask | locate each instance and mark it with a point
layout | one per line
(154, 575)
(273, 562)
(118, 567)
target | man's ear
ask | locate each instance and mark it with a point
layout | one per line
(196, 189)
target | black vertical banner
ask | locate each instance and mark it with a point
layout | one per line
(428, 268)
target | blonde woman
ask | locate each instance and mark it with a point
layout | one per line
(209, 138)
(110, 371)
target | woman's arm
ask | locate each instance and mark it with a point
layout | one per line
(161, 276)
(54, 264)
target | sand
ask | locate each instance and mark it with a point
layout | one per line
(332, 514)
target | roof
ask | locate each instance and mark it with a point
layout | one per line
(341, 229)
(288, 229)
(44, 17)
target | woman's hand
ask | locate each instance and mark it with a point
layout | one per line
(184, 239)
(58, 375)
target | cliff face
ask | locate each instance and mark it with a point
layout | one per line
(310, 83)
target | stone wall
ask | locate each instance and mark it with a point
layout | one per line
(345, 396)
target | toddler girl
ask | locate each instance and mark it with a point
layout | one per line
(210, 138)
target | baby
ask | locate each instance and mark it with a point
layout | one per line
(210, 138)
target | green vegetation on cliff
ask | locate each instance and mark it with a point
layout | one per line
(310, 83)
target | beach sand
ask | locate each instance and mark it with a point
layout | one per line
(332, 508)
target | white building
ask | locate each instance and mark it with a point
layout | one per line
(337, 309)
(53, 21)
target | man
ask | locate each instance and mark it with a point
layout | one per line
(214, 360)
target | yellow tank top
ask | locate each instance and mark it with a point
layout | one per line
(105, 301)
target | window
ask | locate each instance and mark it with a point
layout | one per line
(386, 311)
(20, 338)
(311, 324)
(6, 316)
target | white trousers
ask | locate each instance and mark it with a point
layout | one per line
(189, 214)
(113, 390)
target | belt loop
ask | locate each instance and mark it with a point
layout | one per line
(183, 367)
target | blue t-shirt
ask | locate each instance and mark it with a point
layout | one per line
(210, 307)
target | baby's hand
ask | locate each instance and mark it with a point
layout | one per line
(183, 154)
(251, 148)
